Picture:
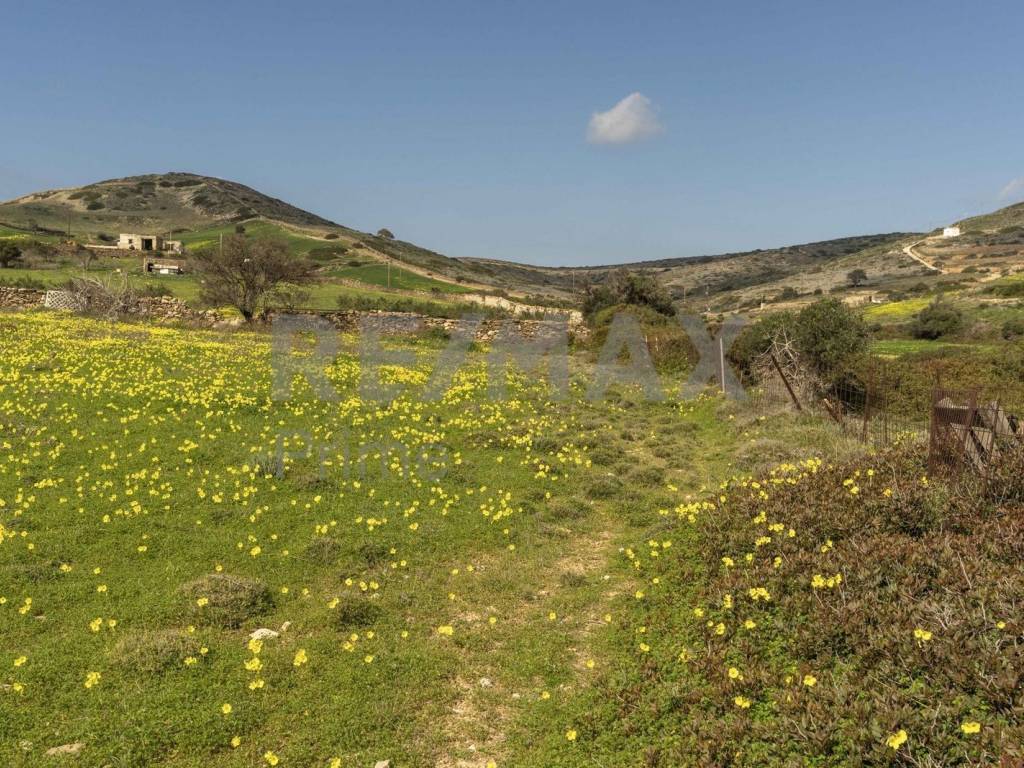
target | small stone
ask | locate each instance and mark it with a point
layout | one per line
(285, 626)
(264, 634)
(485, 682)
(383, 764)
(65, 749)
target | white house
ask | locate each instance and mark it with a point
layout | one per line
(951, 232)
(133, 242)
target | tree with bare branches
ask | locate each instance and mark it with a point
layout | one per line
(246, 273)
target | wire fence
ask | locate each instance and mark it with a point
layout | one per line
(963, 429)
(872, 409)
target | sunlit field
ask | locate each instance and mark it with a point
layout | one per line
(197, 574)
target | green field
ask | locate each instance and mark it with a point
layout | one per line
(897, 311)
(899, 347)
(324, 294)
(209, 237)
(458, 549)
(402, 279)
(453, 580)
(8, 233)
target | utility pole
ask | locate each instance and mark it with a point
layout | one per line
(222, 245)
(721, 362)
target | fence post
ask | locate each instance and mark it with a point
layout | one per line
(867, 407)
(785, 381)
(721, 363)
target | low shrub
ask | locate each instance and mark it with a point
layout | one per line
(153, 290)
(864, 614)
(224, 600)
(152, 651)
(354, 611)
(936, 320)
(1013, 328)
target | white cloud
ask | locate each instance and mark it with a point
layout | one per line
(1010, 190)
(632, 119)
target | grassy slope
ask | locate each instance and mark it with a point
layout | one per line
(324, 295)
(402, 279)
(198, 209)
(1011, 216)
(524, 527)
(816, 670)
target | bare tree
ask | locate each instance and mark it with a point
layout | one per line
(111, 296)
(85, 257)
(246, 272)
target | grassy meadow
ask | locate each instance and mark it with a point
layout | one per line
(460, 581)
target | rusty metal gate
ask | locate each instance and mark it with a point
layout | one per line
(967, 434)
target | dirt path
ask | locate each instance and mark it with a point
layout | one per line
(909, 251)
(490, 698)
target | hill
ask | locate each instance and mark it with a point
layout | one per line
(1010, 217)
(198, 210)
(728, 278)
(167, 202)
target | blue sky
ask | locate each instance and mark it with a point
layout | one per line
(463, 126)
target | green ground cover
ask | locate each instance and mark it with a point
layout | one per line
(453, 581)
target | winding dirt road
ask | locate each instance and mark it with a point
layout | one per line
(909, 251)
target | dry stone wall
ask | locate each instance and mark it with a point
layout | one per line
(171, 310)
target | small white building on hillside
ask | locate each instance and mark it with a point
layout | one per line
(951, 232)
(133, 242)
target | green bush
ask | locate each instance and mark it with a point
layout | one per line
(219, 599)
(936, 320)
(327, 252)
(10, 254)
(23, 282)
(1013, 328)
(755, 340)
(671, 350)
(788, 294)
(155, 291)
(623, 287)
(1008, 289)
(830, 336)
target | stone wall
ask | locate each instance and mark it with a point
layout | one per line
(21, 298)
(171, 310)
(159, 308)
(408, 322)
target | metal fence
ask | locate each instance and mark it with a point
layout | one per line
(872, 408)
(964, 430)
(970, 431)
